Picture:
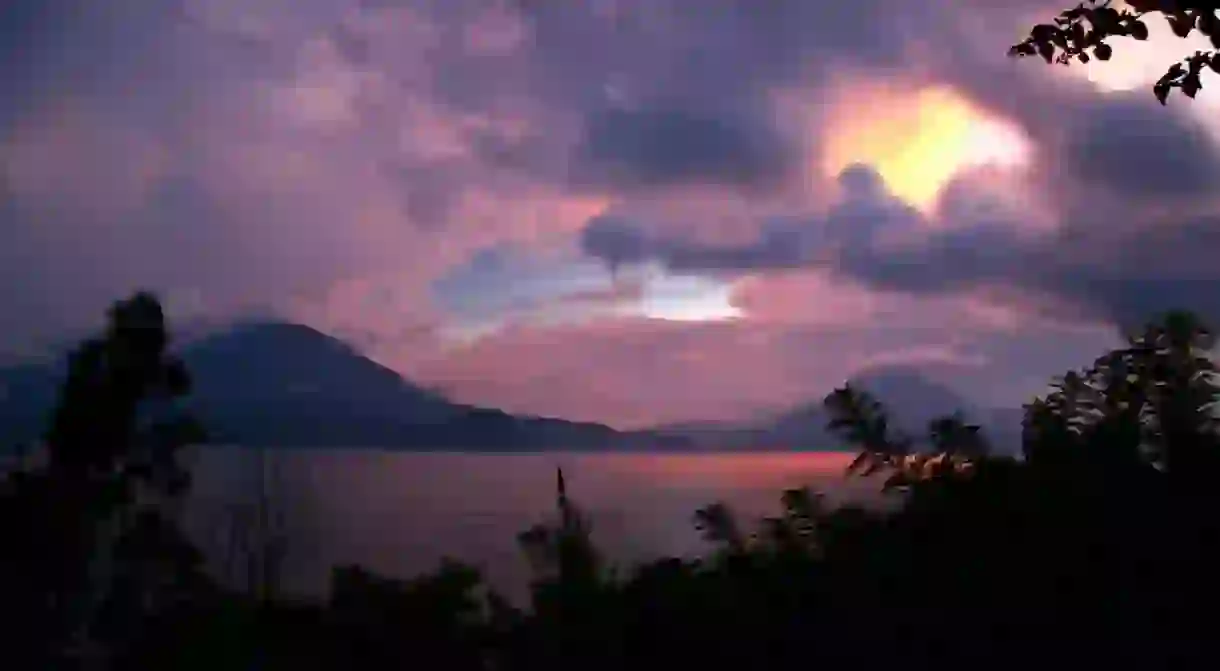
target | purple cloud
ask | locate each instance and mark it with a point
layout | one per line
(293, 156)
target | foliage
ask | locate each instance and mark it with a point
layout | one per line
(1099, 542)
(861, 421)
(1082, 33)
(382, 623)
(90, 555)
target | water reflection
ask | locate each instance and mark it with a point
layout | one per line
(400, 513)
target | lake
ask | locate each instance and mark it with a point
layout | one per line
(399, 513)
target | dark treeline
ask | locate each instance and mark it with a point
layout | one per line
(1098, 546)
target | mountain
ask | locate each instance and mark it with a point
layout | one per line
(279, 384)
(911, 397)
(915, 399)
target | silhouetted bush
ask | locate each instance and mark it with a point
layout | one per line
(1098, 545)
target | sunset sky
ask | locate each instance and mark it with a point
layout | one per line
(627, 211)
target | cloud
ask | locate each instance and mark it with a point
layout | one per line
(1131, 146)
(666, 96)
(863, 213)
(1131, 191)
(334, 160)
(278, 147)
(638, 372)
(1134, 226)
(617, 241)
(659, 148)
(235, 153)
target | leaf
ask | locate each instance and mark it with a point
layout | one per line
(896, 481)
(1078, 33)
(1191, 85)
(872, 467)
(859, 462)
(1023, 49)
(1208, 23)
(1139, 30)
(1043, 32)
(1161, 91)
(1180, 24)
(1046, 51)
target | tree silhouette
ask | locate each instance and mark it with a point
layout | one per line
(1099, 543)
(1150, 402)
(91, 555)
(384, 623)
(1082, 33)
(719, 527)
(562, 552)
(864, 422)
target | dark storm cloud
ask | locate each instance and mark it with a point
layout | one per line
(848, 229)
(616, 241)
(1098, 268)
(1130, 182)
(1139, 228)
(644, 95)
(618, 95)
(658, 148)
(1126, 177)
(1102, 268)
(1133, 146)
(1148, 269)
(698, 83)
(619, 242)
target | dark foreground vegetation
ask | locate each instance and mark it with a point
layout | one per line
(1098, 546)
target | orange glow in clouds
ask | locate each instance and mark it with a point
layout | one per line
(916, 139)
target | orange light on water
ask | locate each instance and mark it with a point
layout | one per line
(737, 467)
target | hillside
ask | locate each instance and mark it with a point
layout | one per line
(280, 384)
(912, 398)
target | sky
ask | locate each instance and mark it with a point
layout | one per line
(624, 211)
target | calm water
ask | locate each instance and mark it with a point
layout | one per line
(400, 513)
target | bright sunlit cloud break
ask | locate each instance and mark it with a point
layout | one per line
(918, 140)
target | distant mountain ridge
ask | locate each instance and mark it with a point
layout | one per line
(282, 384)
(911, 398)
